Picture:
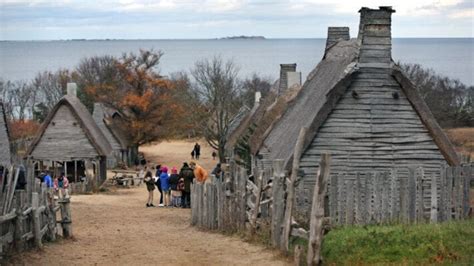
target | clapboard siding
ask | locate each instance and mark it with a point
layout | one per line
(64, 138)
(5, 153)
(370, 132)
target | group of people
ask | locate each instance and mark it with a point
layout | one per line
(60, 183)
(174, 186)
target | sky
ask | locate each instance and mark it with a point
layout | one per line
(201, 19)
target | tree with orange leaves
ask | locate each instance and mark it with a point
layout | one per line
(137, 90)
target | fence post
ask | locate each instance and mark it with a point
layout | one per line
(36, 219)
(66, 217)
(317, 212)
(290, 191)
(278, 201)
(466, 189)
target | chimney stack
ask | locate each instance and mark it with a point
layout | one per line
(336, 34)
(72, 89)
(375, 36)
(258, 96)
(288, 77)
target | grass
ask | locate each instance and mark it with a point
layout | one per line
(446, 243)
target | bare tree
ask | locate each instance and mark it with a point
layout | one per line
(218, 87)
(48, 87)
(253, 84)
(450, 101)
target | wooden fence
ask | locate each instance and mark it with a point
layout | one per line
(29, 216)
(381, 197)
(221, 204)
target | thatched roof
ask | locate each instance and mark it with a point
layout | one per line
(236, 121)
(271, 115)
(106, 118)
(87, 123)
(322, 90)
(5, 152)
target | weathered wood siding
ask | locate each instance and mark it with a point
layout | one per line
(5, 153)
(372, 131)
(116, 155)
(64, 139)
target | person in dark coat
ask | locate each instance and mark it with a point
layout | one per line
(187, 174)
(197, 151)
(217, 172)
(158, 184)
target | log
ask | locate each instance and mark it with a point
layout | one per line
(290, 191)
(256, 207)
(297, 255)
(317, 212)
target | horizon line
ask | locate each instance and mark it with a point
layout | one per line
(208, 39)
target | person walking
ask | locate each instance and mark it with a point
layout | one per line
(165, 186)
(197, 151)
(192, 154)
(214, 155)
(187, 175)
(48, 181)
(199, 173)
(158, 183)
(150, 187)
(217, 172)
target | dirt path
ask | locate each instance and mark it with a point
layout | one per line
(116, 228)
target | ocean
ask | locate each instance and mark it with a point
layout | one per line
(22, 60)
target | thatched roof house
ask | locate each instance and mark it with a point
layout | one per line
(70, 134)
(273, 104)
(361, 108)
(5, 151)
(106, 119)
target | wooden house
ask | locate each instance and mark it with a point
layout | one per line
(108, 119)
(361, 108)
(5, 150)
(69, 140)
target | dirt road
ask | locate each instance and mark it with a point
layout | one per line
(116, 228)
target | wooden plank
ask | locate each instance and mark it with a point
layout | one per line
(385, 212)
(317, 213)
(449, 194)
(434, 199)
(466, 173)
(341, 199)
(333, 198)
(412, 185)
(349, 201)
(420, 208)
(442, 195)
(393, 195)
(457, 192)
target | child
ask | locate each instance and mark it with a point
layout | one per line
(150, 186)
(165, 185)
(61, 185)
(175, 194)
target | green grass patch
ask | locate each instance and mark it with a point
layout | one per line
(447, 243)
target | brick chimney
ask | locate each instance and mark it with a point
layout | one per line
(375, 36)
(72, 89)
(288, 77)
(336, 34)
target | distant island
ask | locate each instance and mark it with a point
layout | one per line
(243, 37)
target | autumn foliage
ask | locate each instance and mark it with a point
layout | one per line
(141, 94)
(23, 129)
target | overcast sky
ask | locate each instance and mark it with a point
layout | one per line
(187, 19)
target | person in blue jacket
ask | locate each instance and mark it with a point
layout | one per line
(48, 181)
(165, 185)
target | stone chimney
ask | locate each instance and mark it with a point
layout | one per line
(288, 77)
(375, 36)
(72, 89)
(336, 34)
(258, 96)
